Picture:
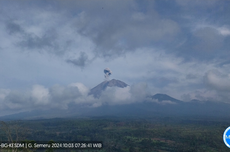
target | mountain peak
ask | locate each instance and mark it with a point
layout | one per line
(161, 97)
(96, 91)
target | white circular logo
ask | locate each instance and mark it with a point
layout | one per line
(226, 137)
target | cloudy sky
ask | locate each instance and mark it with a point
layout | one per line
(54, 51)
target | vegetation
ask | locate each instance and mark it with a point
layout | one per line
(160, 134)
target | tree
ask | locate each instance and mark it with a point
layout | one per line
(14, 133)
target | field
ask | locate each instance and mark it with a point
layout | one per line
(160, 134)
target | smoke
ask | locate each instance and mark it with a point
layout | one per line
(107, 72)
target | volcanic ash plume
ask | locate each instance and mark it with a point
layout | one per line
(107, 72)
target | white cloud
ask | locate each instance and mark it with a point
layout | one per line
(122, 94)
(81, 87)
(41, 95)
(195, 3)
(224, 31)
(4, 93)
(59, 97)
(202, 95)
(217, 80)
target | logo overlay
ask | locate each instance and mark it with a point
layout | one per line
(226, 137)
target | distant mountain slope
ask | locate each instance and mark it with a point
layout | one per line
(96, 91)
(138, 109)
(145, 108)
(164, 97)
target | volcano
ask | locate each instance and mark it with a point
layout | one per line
(96, 91)
(164, 97)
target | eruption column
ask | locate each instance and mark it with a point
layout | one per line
(107, 72)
